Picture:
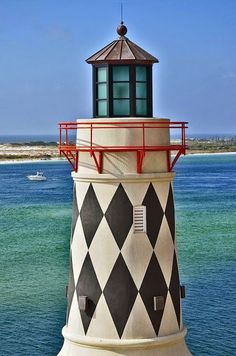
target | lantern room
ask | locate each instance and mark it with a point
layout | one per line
(122, 79)
(123, 127)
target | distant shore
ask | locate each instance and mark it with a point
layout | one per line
(62, 159)
(40, 151)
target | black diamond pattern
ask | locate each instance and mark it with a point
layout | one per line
(75, 213)
(91, 215)
(119, 215)
(153, 285)
(174, 288)
(71, 290)
(88, 286)
(170, 213)
(154, 214)
(120, 293)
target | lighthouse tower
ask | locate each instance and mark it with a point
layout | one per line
(124, 292)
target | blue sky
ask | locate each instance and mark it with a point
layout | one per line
(44, 43)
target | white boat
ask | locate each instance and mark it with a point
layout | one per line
(37, 176)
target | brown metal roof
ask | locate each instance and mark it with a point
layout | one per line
(122, 50)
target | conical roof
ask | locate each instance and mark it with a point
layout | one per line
(122, 50)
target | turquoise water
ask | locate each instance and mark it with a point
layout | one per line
(34, 243)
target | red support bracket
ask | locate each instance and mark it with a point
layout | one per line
(176, 158)
(168, 160)
(71, 160)
(76, 161)
(140, 157)
(98, 161)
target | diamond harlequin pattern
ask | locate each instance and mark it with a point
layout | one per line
(153, 285)
(71, 290)
(154, 214)
(137, 252)
(120, 293)
(88, 286)
(174, 288)
(75, 213)
(103, 252)
(91, 214)
(119, 215)
(170, 214)
(164, 250)
(119, 281)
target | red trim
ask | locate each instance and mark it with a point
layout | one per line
(99, 161)
(176, 159)
(140, 157)
(71, 150)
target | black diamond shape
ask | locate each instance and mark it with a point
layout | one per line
(170, 213)
(174, 288)
(119, 215)
(75, 213)
(88, 286)
(91, 215)
(153, 285)
(70, 290)
(154, 214)
(120, 293)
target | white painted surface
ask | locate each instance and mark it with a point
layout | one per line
(123, 162)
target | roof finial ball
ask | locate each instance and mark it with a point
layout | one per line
(122, 29)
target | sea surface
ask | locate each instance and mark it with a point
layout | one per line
(35, 222)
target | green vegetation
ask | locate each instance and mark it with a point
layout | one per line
(6, 157)
(211, 145)
(34, 143)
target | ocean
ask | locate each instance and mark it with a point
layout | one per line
(35, 222)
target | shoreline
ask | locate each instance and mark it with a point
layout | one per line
(58, 159)
(27, 160)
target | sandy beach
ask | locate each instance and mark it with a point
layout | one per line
(19, 151)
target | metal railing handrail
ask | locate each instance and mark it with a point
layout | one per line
(65, 127)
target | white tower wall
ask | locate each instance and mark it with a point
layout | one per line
(130, 278)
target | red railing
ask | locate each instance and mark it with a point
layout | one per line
(69, 148)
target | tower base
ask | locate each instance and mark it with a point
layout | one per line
(171, 345)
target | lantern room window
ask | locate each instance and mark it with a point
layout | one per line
(123, 91)
(141, 91)
(101, 91)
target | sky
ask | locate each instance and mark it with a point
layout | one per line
(44, 78)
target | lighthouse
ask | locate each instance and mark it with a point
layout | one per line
(124, 291)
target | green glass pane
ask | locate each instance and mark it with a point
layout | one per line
(102, 108)
(102, 91)
(102, 74)
(141, 107)
(121, 107)
(120, 90)
(120, 73)
(141, 73)
(141, 90)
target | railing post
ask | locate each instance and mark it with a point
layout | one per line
(60, 138)
(67, 141)
(143, 135)
(76, 161)
(184, 138)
